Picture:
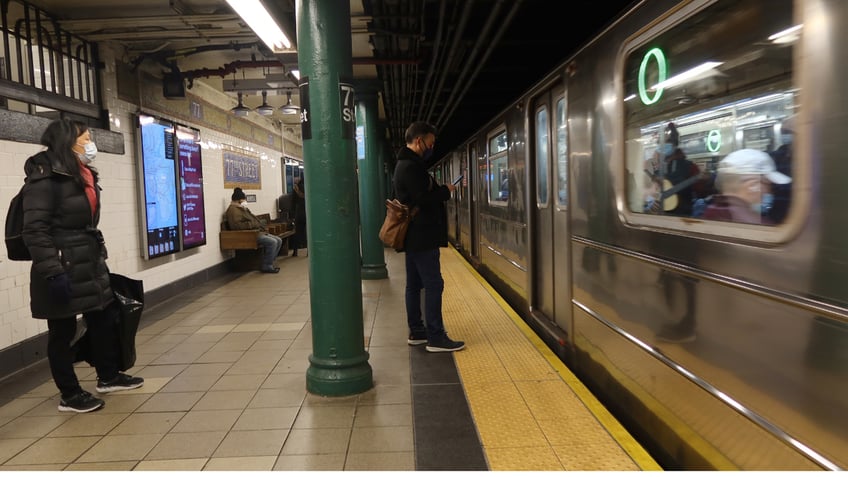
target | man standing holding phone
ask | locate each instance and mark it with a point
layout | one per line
(427, 232)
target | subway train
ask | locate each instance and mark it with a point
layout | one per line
(666, 210)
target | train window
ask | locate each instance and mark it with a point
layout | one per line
(710, 106)
(542, 155)
(562, 154)
(498, 179)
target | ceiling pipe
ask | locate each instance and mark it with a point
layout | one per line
(500, 33)
(445, 70)
(436, 48)
(234, 66)
(472, 57)
(230, 68)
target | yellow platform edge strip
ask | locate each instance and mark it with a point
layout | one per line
(633, 449)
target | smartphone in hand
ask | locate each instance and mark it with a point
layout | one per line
(457, 179)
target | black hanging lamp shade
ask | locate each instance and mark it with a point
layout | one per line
(289, 108)
(240, 109)
(265, 109)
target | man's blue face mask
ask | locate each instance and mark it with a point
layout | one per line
(427, 151)
(666, 149)
(767, 202)
(786, 138)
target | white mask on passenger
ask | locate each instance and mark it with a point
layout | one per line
(88, 154)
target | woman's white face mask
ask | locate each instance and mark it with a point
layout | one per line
(88, 154)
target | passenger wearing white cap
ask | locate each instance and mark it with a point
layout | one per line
(744, 180)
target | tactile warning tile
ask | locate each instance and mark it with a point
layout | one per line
(524, 458)
(531, 413)
(501, 416)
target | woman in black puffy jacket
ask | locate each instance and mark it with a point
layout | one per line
(69, 276)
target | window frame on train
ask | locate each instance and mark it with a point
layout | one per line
(497, 155)
(716, 110)
(542, 153)
(561, 149)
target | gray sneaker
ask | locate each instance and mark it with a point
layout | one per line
(82, 401)
(445, 345)
(121, 382)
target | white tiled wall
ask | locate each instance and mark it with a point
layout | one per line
(120, 221)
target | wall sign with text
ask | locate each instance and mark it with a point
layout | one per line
(242, 168)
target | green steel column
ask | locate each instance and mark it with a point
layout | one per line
(385, 179)
(371, 202)
(338, 365)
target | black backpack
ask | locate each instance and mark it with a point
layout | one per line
(15, 247)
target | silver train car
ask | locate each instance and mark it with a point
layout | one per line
(722, 343)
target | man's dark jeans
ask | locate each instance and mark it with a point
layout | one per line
(423, 270)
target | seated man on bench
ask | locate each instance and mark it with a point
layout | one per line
(239, 217)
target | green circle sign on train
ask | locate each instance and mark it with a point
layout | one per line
(658, 56)
(714, 140)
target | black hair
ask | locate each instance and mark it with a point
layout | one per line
(59, 137)
(238, 194)
(418, 129)
(671, 135)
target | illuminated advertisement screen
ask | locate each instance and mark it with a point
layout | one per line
(191, 187)
(159, 194)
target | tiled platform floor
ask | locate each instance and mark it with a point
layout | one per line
(225, 368)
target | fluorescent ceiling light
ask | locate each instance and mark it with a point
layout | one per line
(687, 75)
(261, 22)
(786, 36)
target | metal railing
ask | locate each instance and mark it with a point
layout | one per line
(44, 65)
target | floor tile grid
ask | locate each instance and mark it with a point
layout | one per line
(187, 386)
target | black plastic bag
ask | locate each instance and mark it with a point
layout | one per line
(129, 300)
(129, 293)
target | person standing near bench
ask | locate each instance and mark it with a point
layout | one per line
(239, 217)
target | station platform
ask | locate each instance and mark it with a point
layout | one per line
(225, 389)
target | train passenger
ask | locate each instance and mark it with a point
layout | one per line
(745, 179)
(239, 217)
(427, 232)
(69, 275)
(783, 162)
(678, 178)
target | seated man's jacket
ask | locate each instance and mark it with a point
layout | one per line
(240, 218)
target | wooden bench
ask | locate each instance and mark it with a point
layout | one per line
(244, 243)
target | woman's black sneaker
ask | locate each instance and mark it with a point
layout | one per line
(121, 382)
(445, 345)
(82, 401)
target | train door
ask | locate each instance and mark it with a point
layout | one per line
(561, 215)
(474, 169)
(543, 265)
(551, 288)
